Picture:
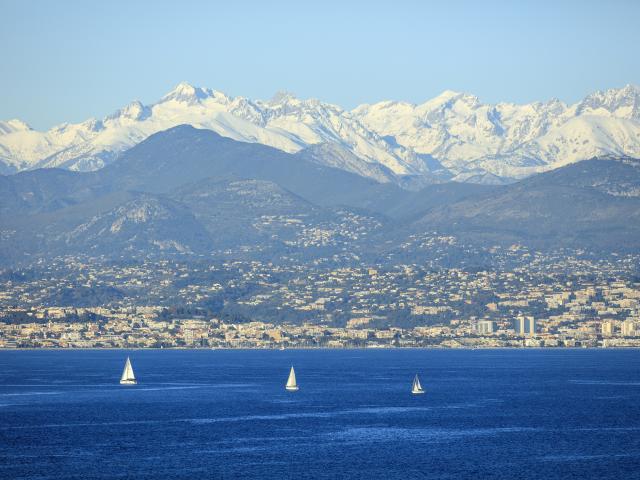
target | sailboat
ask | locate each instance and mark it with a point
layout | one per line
(416, 388)
(128, 378)
(291, 382)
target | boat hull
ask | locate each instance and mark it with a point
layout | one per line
(292, 389)
(128, 382)
(417, 392)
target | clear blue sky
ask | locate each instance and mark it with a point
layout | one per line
(71, 60)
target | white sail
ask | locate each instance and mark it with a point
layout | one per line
(128, 378)
(416, 383)
(416, 387)
(291, 382)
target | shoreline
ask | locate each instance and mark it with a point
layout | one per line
(310, 348)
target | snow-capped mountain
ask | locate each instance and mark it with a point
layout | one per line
(509, 140)
(386, 141)
(284, 122)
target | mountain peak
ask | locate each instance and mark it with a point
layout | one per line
(282, 96)
(620, 102)
(134, 111)
(448, 95)
(187, 93)
(451, 96)
(631, 89)
(13, 125)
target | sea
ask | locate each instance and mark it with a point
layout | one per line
(224, 414)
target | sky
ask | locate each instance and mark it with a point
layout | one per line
(71, 60)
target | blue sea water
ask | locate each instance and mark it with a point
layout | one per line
(202, 414)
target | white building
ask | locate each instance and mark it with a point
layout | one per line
(525, 325)
(628, 328)
(608, 328)
(485, 326)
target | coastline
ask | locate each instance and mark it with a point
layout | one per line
(313, 348)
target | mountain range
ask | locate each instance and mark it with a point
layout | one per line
(451, 137)
(191, 191)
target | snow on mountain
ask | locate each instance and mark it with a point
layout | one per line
(20, 146)
(12, 126)
(385, 141)
(284, 122)
(333, 155)
(510, 140)
(621, 103)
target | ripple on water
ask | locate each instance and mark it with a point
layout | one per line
(375, 434)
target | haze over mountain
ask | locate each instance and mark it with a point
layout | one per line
(453, 136)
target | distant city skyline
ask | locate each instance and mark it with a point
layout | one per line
(65, 62)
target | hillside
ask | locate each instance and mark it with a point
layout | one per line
(193, 192)
(594, 203)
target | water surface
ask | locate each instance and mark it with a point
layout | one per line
(499, 414)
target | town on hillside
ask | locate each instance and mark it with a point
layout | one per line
(525, 299)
